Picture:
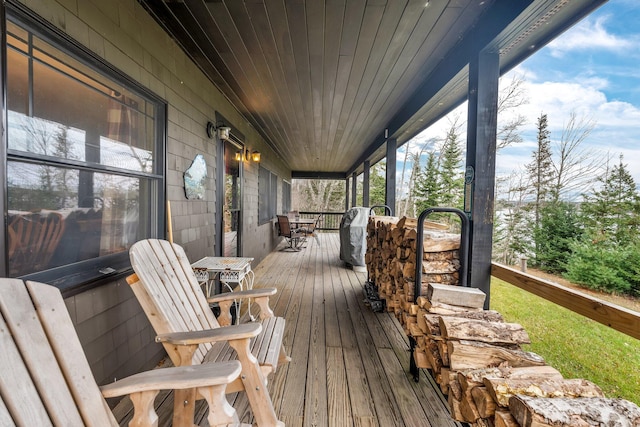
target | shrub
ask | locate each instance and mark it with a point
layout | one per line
(559, 228)
(601, 267)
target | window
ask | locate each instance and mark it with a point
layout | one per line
(84, 161)
(286, 196)
(268, 195)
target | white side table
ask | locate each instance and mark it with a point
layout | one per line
(231, 271)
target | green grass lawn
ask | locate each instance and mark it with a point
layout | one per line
(576, 346)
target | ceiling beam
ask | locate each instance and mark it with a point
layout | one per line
(317, 175)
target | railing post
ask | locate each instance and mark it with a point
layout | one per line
(366, 177)
(523, 264)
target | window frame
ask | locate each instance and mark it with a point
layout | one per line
(80, 276)
(267, 186)
(286, 196)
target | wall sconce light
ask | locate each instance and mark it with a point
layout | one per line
(255, 156)
(238, 156)
(220, 130)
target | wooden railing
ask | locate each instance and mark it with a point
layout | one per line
(330, 220)
(619, 318)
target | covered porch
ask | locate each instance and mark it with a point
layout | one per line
(349, 365)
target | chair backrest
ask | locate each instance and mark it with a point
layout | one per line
(169, 292)
(45, 378)
(33, 238)
(317, 223)
(284, 228)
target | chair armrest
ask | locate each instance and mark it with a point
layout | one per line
(226, 333)
(175, 378)
(250, 293)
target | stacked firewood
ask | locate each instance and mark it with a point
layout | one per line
(391, 260)
(473, 354)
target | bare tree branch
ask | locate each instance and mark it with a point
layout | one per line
(510, 98)
(575, 165)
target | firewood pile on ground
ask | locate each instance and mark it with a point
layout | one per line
(473, 354)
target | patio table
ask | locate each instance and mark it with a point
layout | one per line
(230, 271)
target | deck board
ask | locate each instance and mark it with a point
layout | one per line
(349, 365)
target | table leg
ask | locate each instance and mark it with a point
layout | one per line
(249, 276)
(237, 304)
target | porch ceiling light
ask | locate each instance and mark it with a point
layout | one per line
(218, 129)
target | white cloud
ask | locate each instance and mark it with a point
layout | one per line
(617, 123)
(589, 34)
(559, 99)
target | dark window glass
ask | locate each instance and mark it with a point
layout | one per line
(268, 195)
(84, 148)
(286, 196)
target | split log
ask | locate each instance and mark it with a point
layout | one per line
(421, 301)
(444, 352)
(468, 410)
(455, 295)
(475, 377)
(502, 389)
(446, 309)
(422, 321)
(473, 355)
(483, 422)
(439, 242)
(450, 279)
(454, 408)
(413, 223)
(440, 256)
(455, 389)
(433, 355)
(445, 377)
(407, 222)
(504, 419)
(420, 357)
(578, 412)
(414, 330)
(484, 402)
(430, 323)
(479, 330)
(447, 266)
(379, 220)
(486, 315)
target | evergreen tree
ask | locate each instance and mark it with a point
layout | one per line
(451, 177)
(409, 204)
(510, 241)
(540, 170)
(377, 183)
(559, 227)
(426, 188)
(614, 210)
(608, 255)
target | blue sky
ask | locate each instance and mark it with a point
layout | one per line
(593, 70)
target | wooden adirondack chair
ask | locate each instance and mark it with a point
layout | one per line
(45, 378)
(175, 304)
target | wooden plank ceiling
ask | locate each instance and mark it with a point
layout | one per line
(322, 80)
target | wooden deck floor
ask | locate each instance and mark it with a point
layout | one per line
(349, 365)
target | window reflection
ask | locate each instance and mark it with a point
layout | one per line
(51, 223)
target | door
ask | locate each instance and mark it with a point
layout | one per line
(232, 209)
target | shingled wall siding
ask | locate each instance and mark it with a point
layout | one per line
(116, 335)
